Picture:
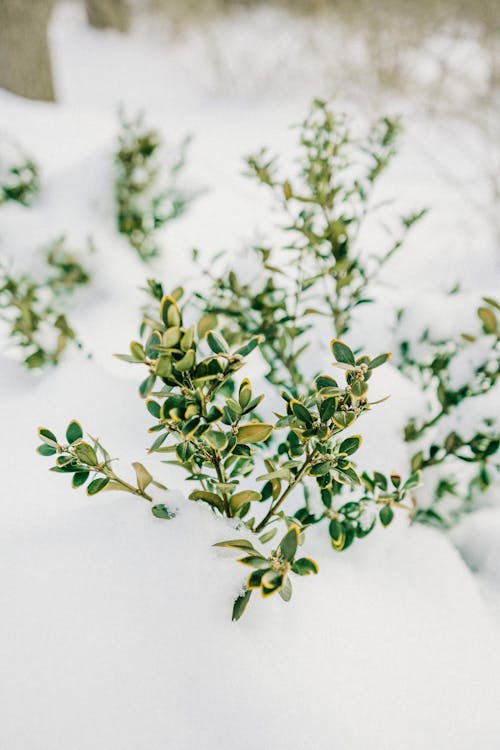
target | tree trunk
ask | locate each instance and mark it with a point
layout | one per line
(108, 14)
(25, 67)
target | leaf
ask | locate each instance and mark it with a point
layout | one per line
(46, 450)
(206, 323)
(319, 469)
(386, 515)
(344, 419)
(217, 342)
(255, 561)
(47, 437)
(217, 440)
(153, 408)
(271, 582)
(304, 566)
(209, 497)
(335, 529)
(137, 351)
(342, 353)
(169, 312)
(254, 432)
(162, 511)
(79, 478)
(327, 408)
(492, 302)
(187, 362)
(143, 476)
(288, 545)
(86, 454)
(97, 485)
(413, 481)
(286, 590)
(380, 360)
(237, 544)
(244, 350)
(147, 385)
(350, 445)
(268, 535)
(74, 432)
(245, 393)
(240, 605)
(488, 319)
(300, 411)
(245, 496)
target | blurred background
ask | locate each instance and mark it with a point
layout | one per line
(438, 60)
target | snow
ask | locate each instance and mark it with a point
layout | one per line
(115, 630)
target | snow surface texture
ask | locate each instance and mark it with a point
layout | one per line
(115, 631)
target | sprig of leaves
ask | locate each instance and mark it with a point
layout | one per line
(19, 179)
(84, 461)
(476, 447)
(321, 270)
(270, 574)
(35, 311)
(145, 200)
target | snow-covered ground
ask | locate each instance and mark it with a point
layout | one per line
(114, 627)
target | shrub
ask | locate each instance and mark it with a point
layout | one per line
(145, 200)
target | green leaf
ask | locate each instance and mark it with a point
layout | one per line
(350, 445)
(46, 450)
(137, 351)
(212, 499)
(319, 469)
(286, 590)
(169, 312)
(304, 566)
(386, 515)
(217, 440)
(162, 511)
(237, 544)
(216, 342)
(79, 478)
(342, 352)
(288, 545)
(335, 529)
(344, 419)
(74, 432)
(47, 437)
(488, 319)
(327, 408)
(147, 385)
(97, 485)
(153, 408)
(254, 432)
(245, 393)
(244, 350)
(380, 360)
(413, 481)
(206, 323)
(255, 561)
(143, 476)
(245, 496)
(268, 535)
(240, 605)
(300, 411)
(187, 362)
(86, 454)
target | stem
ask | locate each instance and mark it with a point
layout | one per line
(297, 478)
(430, 423)
(129, 487)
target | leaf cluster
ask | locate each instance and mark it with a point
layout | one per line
(144, 203)
(35, 311)
(322, 268)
